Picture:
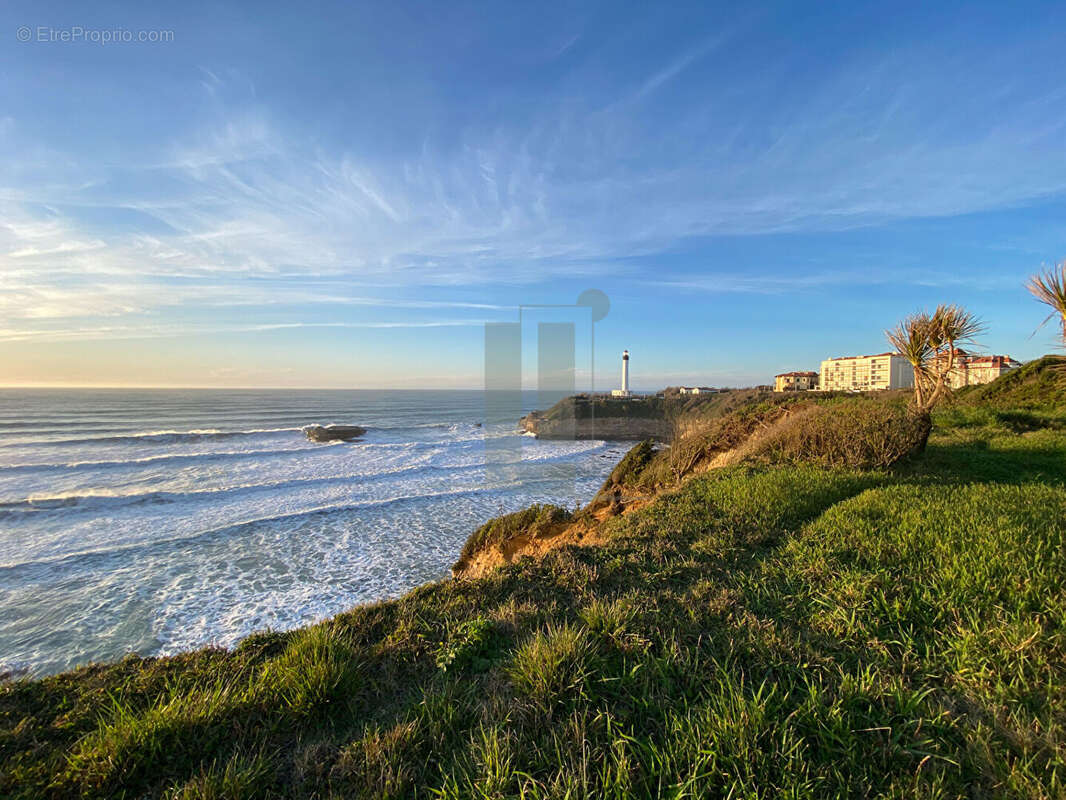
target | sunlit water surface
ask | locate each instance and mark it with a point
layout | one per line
(159, 521)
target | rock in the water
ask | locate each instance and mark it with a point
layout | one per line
(333, 433)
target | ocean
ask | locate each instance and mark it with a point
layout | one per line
(157, 521)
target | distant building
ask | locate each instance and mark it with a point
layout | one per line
(866, 373)
(986, 369)
(795, 381)
(697, 390)
(970, 370)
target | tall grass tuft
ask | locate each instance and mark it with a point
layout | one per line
(241, 777)
(130, 744)
(316, 671)
(552, 667)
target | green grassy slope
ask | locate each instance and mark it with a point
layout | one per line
(1039, 383)
(760, 632)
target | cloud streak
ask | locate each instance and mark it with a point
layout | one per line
(576, 187)
(148, 331)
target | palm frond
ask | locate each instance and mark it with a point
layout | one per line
(954, 325)
(1049, 287)
(911, 338)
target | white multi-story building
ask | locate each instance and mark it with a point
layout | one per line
(972, 369)
(866, 373)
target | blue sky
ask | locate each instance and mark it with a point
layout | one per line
(343, 195)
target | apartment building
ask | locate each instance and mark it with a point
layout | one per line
(795, 381)
(970, 370)
(866, 373)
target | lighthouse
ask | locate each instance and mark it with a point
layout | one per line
(624, 391)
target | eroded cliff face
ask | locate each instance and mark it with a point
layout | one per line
(616, 428)
(586, 529)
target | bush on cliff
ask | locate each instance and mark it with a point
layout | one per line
(532, 522)
(852, 433)
(831, 431)
(703, 442)
(626, 474)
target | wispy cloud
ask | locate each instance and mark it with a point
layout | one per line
(574, 187)
(156, 331)
(775, 284)
(676, 67)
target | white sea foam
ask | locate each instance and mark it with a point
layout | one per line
(161, 538)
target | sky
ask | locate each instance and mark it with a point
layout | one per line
(342, 195)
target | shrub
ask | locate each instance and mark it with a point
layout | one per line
(628, 470)
(703, 442)
(859, 434)
(627, 474)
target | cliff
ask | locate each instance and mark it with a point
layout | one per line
(584, 416)
(621, 428)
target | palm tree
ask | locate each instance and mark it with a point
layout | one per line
(1049, 287)
(911, 340)
(930, 343)
(950, 326)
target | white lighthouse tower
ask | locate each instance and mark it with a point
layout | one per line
(624, 391)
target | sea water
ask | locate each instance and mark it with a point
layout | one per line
(156, 521)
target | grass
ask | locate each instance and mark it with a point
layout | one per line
(1039, 383)
(759, 631)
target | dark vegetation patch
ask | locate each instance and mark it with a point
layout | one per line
(631, 466)
(625, 475)
(670, 407)
(581, 406)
